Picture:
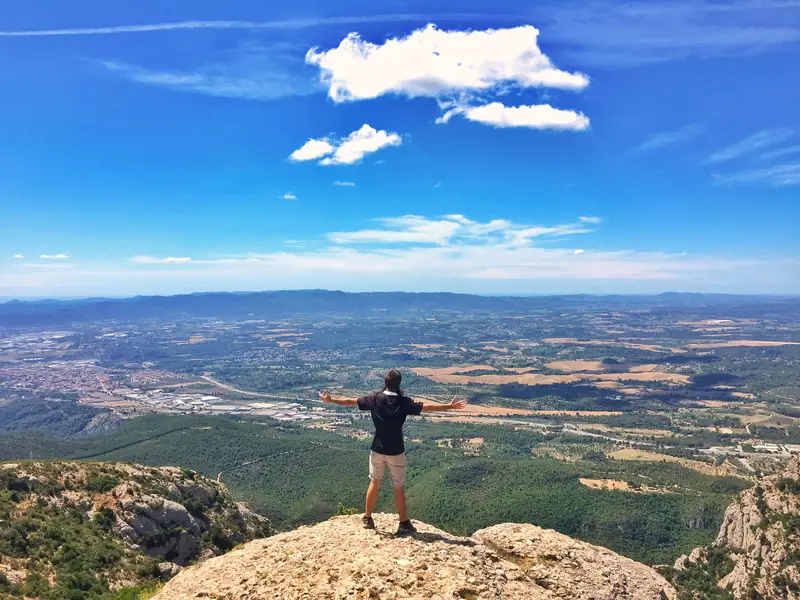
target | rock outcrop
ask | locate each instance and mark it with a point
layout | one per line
(146, 521)
(338, 559)
(760, 540)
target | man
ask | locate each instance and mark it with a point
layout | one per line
(389, 409)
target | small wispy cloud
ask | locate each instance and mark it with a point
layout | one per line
(19, 256)
(288, 196)
(453, 228)
(781, 152)
(249, 72)
(254, 25)
(752, 143)
(151, 260)
(639, 32)
(775, 176)
(349, 150)
(669, 138)
(577, 251)
(344, 183)
(593, 220)
(437, 185)
(53, 257)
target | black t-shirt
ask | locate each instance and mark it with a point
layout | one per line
(389, 412)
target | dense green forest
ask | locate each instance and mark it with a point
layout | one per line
(297, 475)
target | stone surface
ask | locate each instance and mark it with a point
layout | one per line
(338, 559)
(759, 538)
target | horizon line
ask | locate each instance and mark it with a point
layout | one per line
(10, 299)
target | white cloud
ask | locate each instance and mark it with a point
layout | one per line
(344, 183)
(348, 151)
(590, 219)
(578, 251)
(359, 143)
(775, 176)
(54, 257)
(433, 62)
(410, 228)
(312, 150)
(151, 260)
(757, 141)
(540, 116)
(669, 138)
(19, 256)
(437, 185)
(288, 196)
(451, 228)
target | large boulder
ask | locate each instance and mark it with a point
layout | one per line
(339, 559)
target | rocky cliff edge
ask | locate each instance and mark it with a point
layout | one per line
(338, 559)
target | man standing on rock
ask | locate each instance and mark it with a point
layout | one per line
(389, 409)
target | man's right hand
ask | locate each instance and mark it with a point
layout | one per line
(325, 397)
(456, 404)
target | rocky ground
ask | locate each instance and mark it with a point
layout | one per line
(338, 559)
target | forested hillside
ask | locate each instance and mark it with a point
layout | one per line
(295, 475)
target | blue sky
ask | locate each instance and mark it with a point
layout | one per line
(461, 146)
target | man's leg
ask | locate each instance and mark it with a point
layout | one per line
(400, 502)
(372, 497)
(377, 466)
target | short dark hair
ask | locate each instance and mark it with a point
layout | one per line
(392, 380)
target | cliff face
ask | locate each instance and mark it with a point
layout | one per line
(104, 526)
(339, 559)
(759, 540)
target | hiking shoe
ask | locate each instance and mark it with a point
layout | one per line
(368, 522)
(406, 528)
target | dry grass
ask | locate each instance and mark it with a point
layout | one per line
(714, 403)
(605, 484)
(642, 368)
(426, 346)
(644, 455)
(497, 349)
(536, 379)
(576, 365)
(579, 413)
(736, 343)
(743, 395)
(438, 371)
(572, 366)
(696, 465)
(577, 342)
(476, 410)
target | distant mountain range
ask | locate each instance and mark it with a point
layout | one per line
(278, 304)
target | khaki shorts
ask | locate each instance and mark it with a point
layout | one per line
(398, 465)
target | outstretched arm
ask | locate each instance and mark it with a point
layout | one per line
(454, 404)
(328, 399)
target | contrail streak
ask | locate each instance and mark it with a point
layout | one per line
(285, 24)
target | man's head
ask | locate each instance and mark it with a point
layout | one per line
(392, 380)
